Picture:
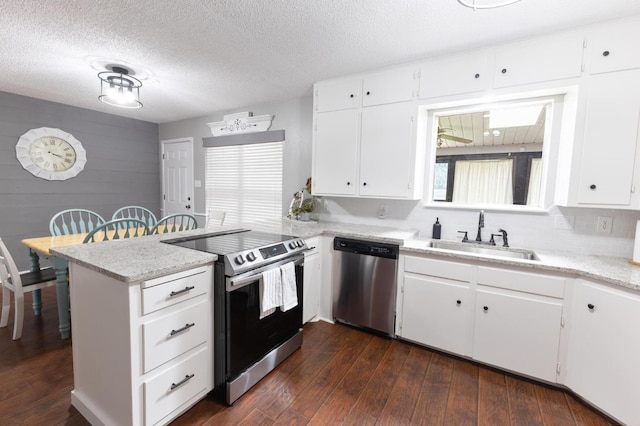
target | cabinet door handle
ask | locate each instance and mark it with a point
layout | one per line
(348, 183)
(504, 71)
(458, 302)
(592, 186)
(605, 53)
(184, 290)
(186, 327)
(351, 95)
(591, 306)
(364, 184)
(183, 381)
(368, 93)
(477, 76)
(486, 308)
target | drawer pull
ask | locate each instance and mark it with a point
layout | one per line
(184, 290)
(183, 381)
(186, 327)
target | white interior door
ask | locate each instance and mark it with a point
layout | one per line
(177, 176)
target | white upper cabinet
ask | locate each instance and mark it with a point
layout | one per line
(610, 138)
(387, 153)
(367, 147)
(539, 60)
(338, 94)
(394, 85)
(457, 74)
(614, 48)
(335, 152)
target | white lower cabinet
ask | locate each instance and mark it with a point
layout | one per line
(509, 318)
(142, 351)
(436, 312)
(604, 349)
(518, 333)
(311, 280)
(518, 317)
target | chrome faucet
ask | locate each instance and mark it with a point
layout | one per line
(480, 226)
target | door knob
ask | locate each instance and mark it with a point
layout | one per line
(188, 206)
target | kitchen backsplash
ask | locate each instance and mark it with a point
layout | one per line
(527, 230)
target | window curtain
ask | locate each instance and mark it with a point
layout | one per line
(535, 182)
(483, 182)
(245, 181)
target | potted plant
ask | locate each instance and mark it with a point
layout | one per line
(303, 211)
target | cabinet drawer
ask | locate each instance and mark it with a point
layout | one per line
(539, 60)
(615, 48)
(172, 335)
(169, 390)
(453, 75)
(395, 85)
(339, 94)
(438, 268)
(544, 285)
(166, 291)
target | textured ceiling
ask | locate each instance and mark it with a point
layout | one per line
(202, 56)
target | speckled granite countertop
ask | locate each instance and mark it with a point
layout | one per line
(135, 259)
(143, 258)
(613, 270)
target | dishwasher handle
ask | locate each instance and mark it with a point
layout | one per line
(368, 248)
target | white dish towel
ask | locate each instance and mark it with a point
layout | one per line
(289, 292)
(270, 292)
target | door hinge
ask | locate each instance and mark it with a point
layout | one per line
(558, 368)
(164, 197)
(584, 43)
(163, 156)
(633, 188)
(582, 67)
(562, 321)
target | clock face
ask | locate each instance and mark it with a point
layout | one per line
(51, 154)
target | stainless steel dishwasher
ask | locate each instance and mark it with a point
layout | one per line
(364, 284)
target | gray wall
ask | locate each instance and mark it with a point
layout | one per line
(122, 168)
(294, 116)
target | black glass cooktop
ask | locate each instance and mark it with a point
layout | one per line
(229, 242)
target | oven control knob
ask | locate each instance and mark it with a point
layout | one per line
(292, 244)
(300, 243)
(251, 257)
(239, 259)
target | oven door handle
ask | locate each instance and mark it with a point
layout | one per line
(233, 283)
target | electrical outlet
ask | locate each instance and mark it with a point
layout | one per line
(382, 212)
(604, 224)
(563, 222)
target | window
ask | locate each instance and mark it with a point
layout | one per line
(245, 181)
(484, 181)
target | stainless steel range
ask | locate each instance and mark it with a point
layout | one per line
(248, 343)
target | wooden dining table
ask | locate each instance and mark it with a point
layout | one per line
(41, 246)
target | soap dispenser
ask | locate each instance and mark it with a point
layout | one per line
(437, 228)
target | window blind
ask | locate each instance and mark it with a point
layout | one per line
(245, 181)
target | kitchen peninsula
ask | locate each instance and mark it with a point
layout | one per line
(115, 309)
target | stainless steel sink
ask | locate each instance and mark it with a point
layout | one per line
(485, 249)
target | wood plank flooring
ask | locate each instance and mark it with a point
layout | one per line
(340, 376)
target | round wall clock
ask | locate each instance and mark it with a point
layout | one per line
(51, 154)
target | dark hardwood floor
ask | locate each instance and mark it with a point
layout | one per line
(340, 376)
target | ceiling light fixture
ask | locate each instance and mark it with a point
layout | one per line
(119, 89)
(486, 4)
